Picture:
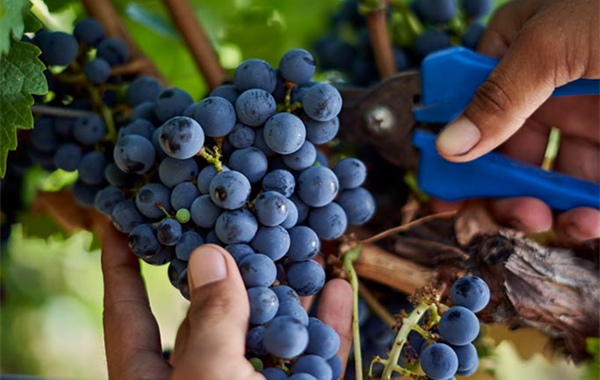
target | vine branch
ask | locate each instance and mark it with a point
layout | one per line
(380, 39)
(197, 41)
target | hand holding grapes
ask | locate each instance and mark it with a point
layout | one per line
(543, 45)
(210, 341)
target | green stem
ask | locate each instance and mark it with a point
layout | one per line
(213, 158)
(408, 324)
(164, 210)
(349, 258)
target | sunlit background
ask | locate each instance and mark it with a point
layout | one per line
(51, 323)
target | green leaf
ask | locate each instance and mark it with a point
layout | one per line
(31, 23)
(12, 13)
(593, 347)
(21, 74)
(43, 227)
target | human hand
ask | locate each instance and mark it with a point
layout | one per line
(210, 343)
(543, 44)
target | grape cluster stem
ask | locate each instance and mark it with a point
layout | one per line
(349, 258)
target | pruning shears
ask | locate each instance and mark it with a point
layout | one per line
(400, 117)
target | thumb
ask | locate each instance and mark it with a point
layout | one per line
(523, 80)
(218, 317)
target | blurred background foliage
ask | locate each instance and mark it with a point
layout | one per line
(51, 306)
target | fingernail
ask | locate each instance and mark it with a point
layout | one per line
(458, 138)
(206, 265)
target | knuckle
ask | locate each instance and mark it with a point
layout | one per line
(210, 306)
(492, 98)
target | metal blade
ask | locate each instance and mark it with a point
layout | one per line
(383, 117)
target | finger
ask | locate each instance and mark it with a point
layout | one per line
(523, 80)
(579, 224)
(437, 206)
(504, 27)
(218, 318)
(529, 215)
(132, 338)
(579, 158)
(307, 301)
(180, 341)
(575, 116)
(335, 310)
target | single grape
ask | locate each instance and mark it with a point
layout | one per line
(134, 154)
(171, 103)
(286, 294)
(477, 8)
(284, 133)
(211, 238)
(150, 198)
(143, 89)
(323, 340)
(271, 208)
(169, 232)
(143, 242)
(173, 171)
(471, 292)
(285, 337)
(281, 181)
(63, 126)
(263, 305)
(183, 195)
(438, 361)
(89, 32)
(459, 326)
(351, 173)
(239, 252)
(302, 376)
(292, 218)
(430, 41)
(467, 357)
(322, 102)
(165, 255)
(274, 374)
(229, 190)
(255, 73)
(303, 208)
(138, 127)
(294, 310)
(317, 186)
(107, 198)
(58, 49)
(257, 270)
(251, 162)
(272, 241)
(297, 66)
(400, 58)
(126, 217)
(322, 159)
(181, 137)
(237, 226)
(306, 277)
(190, 240)
(304, 244)
(254, 341)
(299, 91)
(313, 365)
(329, 222)
(216, 116)
(91, 168)
(145, 111)
(97, 70)
(437, 11)
(321, 132)
(259, 142)
(358, 204)
(68, 157)
(241, 136)
(177, 269)
(302, 158)
(255, 106)
(204, 212)
(89, 130)
(113, 50)
(226, 91)
(280, 89)
(117, 177)
(472, 35)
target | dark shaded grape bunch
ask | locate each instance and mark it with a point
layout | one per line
(441, 24)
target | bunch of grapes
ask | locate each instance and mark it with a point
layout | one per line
(439, 24)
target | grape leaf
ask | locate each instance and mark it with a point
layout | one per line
(21, 74)
(593, 347)
(12, 13)
(31, 23)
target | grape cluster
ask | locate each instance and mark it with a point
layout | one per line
(241, 169)
(352, 53)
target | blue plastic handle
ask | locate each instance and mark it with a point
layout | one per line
(495, 176)
(450, 78)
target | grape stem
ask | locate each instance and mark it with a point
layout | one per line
(349, 258)
(105, 111)
(407, 226)
(60, 112)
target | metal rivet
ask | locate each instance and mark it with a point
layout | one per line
(379, 120)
